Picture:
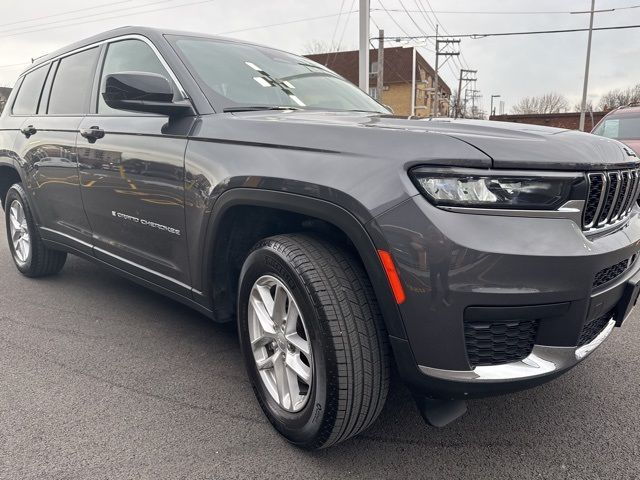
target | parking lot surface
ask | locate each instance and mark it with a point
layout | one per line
(101, 378)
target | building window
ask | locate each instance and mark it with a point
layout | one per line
(373, 92)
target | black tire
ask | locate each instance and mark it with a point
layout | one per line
(347, 335)
(41, 261)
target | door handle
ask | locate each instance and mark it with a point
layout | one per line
(28, 131)
(92, 133)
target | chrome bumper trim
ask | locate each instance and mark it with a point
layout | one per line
(542, 361)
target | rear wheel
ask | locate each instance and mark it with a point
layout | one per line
(29, 253)
(313, 339)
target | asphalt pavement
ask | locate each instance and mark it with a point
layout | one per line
(101, 378)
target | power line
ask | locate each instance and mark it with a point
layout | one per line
(476, 36)
(62, 13)
(14, 65)
(64, 20)
(105, 18)
(308, 19)
(506, 12)
(335, 28)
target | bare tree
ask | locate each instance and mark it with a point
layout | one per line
(548, 103)
(319, 46)
(590, 107)
(620, 97)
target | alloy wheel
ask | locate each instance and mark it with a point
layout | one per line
(19, 230)
(280, 343)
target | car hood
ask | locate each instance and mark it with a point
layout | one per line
(524, 146)
(472, 143)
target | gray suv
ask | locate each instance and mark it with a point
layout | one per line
(261, 188)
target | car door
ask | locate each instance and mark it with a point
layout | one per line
(132, 177)
(47, 148)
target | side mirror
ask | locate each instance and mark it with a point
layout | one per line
(142, 92)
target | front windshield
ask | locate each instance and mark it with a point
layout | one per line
(239, 75)
(620, 128)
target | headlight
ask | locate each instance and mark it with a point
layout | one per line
(468, 188)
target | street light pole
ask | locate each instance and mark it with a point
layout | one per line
(586, 68)
(363, 80)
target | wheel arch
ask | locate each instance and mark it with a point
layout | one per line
(8, 176)
(326, 218)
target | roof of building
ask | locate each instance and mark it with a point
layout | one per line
(397, 65)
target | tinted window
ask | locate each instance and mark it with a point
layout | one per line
(129, 56)
(622, 128)
(29, 94)
(72, 85)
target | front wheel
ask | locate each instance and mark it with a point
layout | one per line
(313, 339)
(30, 255)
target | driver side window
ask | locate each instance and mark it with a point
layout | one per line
(128, 56)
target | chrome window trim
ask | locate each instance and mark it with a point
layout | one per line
(134, 36)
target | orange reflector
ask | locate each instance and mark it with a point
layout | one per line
(392, 276)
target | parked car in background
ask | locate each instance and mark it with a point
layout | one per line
(261, 188)
(622, 124)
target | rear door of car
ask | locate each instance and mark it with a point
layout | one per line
(46, 149)
(132, 172)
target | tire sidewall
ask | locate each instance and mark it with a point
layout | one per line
(302, 428)
(15, 193)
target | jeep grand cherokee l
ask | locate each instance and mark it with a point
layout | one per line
(261, 188)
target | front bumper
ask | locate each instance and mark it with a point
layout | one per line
(452, 263)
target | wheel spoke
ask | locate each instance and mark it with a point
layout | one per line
(14, 220)
(292, 318)
(266, 323)
(279, 303)
(269, 362)
(262, 341)
(299, 343)
(302, 371)
(282, 383)
(265, 298)
(15, 236)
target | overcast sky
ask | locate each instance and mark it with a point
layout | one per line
(510, 66)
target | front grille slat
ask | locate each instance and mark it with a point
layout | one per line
(633, 193)
(611, 197)
(497, 343)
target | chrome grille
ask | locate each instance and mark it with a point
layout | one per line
(611, 197)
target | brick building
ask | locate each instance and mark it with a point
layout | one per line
(398, 64)
(570, 120)
(4, 96)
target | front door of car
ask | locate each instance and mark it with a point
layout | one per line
(132, 179)
(47, 148)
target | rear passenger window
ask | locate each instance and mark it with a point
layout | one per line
(72, 84)
(29, 94)
(129, 56)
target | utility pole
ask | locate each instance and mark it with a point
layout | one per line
(474, 95)
(491, 111)
(380, 75)
(441, 53)
(363, 80)
(413, 82)
(586, 68)
(471, 78)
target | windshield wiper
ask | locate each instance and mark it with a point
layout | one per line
(258, 108)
